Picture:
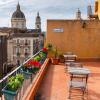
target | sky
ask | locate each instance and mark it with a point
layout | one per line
(48, 9)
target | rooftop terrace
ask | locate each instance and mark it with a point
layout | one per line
(51, 82)
(55, 83)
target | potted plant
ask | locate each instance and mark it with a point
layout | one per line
(27, 72)
(31, 67)
(37, 58)
(28, 69)
(43, 55)
(53, 53)
(10, 91)
(61, 58)
(37, 66)
(55, 58)
(44, 50)
(49, 47)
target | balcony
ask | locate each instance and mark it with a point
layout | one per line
(30, 78)
(51, 82)
(26, 54)
(21, 44)
(27, 43)
(18, 54)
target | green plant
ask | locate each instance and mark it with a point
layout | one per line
(20, 77)
(15, 82)
(55, 51)
(37, 58)
(49, 46)
(42, 54)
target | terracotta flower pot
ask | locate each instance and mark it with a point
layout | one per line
(55, 61)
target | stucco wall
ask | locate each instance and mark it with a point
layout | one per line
(99, 8)
(85, 42)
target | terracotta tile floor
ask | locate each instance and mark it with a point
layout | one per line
(55, 84)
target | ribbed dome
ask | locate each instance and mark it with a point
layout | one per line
(18, 13)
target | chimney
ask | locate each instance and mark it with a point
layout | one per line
(89, 11)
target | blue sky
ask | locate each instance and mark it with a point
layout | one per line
(49, 9)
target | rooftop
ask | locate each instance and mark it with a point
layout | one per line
(55, 83)
(16, 30)
(51, 82)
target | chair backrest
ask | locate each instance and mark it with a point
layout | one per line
(69, 53)
(75, 64)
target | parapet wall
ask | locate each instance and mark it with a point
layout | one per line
(79, 36)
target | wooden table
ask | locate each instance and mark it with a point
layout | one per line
(78, 71)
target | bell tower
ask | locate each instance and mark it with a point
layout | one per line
(38, 22)
(78, 14)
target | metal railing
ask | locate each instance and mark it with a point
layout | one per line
(26, 83)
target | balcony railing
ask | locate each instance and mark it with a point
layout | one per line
(27, 43)
(27, 81)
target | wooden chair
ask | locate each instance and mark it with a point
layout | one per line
(69, 57)
(75, 64)
(78, 86)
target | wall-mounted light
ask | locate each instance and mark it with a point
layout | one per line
(83, 24)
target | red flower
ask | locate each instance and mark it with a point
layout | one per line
(37, 64)
(44, 49)
(33, 63)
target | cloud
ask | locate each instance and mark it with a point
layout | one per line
(49, 9)
(5, 2)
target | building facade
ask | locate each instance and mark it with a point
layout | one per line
(79, 36)
(3, 52)
(22, 43)
(21, 46)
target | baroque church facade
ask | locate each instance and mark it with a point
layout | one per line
(22, 42)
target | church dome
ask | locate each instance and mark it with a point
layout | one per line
(18, 13)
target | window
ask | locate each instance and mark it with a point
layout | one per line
(18, 41)
(17, 50)
(26, 42)
(38, 26)
(26, 50)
